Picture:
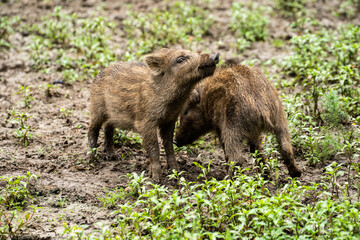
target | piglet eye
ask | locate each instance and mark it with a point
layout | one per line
(186, 112)
(180, 59)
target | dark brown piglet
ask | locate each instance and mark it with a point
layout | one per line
(238, 103)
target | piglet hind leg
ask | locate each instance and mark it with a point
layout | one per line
(167, 134)
(151, 145)
(286, 152)
(93, 135)
(256, 146)
(109, 146)
(233, 152)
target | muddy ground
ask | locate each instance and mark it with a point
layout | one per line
(58, 149)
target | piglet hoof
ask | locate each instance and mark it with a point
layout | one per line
(110, 154)
(229, 172)
(294, 171)
(92, 157)
(173, 165)
(111, 157)
(155, 172)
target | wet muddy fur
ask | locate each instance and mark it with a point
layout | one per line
(145, 98)
(238, 103)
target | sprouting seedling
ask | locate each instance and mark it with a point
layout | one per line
(65, 113)
(333, 171)
(6, 29)
(350, 150)
(137, 183)
(23, 131)
(124, 156)
(16, 193)
(93, 153)
(27, 98)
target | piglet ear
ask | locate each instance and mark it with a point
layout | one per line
(155, 62)
(195, 96)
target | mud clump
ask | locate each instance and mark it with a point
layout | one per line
(146, 97)
(238, 103)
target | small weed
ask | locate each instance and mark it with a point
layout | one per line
(180, 23)
(278, 43)
(16, 193)
(137, 183)
(74, 232)
(334, 109)
(295, 8)
(111, 198)
(124, 156)
(333, 172)
(76, 47)
(44, 151)
(348, 9)
(6, 29)
(48, 89)
(187, 149)
(12, 222)
(25, 92)
(249, 24)
(23, 131)
(327, 60)
(123, 137)
(65, 113)
(93, 153)
(59, 202)
(303, 24)
(320, 145)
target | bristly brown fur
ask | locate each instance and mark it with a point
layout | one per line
(143, 98)
(238, 103)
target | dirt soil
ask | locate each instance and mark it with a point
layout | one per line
(58, 150)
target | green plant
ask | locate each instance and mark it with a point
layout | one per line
(248, 24)
(303, 24)
(356, 179)
(39, 54)
(294, 8)
(237, 208)
(27, 97)
(59, 202)
(348, 9)
(124, 156)
(125, 138)
(65, 113)
(6, 28)
(278, 43)
(48, 89)
(351, 149)
(23, 131)
(16, 193)
(44, 151)
(137, 183)
(334, 109)
(327, 60)
(111, 198)
(76, 47)
(12, 222)
(319, 145)
(333, 173)
(180, 23)
(93, 153)
(74, 232)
